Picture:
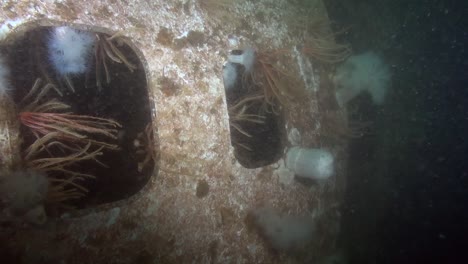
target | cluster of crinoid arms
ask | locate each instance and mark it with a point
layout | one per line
(57, 141)
(62, 140)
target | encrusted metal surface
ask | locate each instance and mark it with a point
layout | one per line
(166, 222)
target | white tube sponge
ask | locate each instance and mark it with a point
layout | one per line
(229, 75)
(282, 232)
(247, 58)
(70, 49)
(359, 73)
(316, 164)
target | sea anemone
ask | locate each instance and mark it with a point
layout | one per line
(359, 73)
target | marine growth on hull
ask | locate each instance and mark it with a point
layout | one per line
(84, 112)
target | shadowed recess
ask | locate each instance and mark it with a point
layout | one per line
(109, 88)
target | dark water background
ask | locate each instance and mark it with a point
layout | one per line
(408, 184)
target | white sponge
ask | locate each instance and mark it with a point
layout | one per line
(70, 49)
(229, 75)
(359, 73)
(284, 232)
(247, 58)
(316, 164)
